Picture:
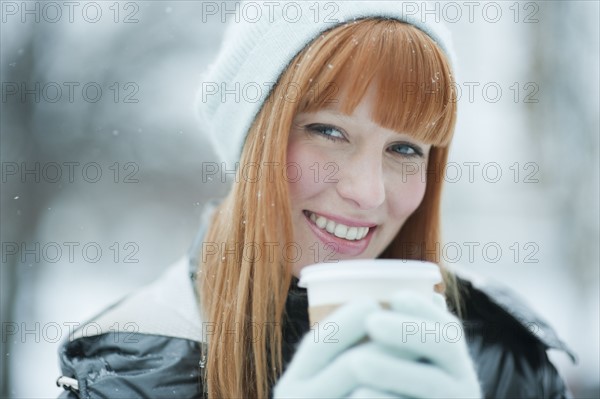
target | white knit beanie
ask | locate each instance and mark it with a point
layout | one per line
(259, 44)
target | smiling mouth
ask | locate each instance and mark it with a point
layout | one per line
(339, 230)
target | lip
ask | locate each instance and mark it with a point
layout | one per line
(345, 221)
(341, 246)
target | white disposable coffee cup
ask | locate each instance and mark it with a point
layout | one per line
(330, 285)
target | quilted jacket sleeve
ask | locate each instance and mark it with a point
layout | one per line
(130, 365)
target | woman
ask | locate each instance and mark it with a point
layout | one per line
(339, 159)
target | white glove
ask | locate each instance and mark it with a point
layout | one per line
(318, 369)
(400, 360)
(420, 350)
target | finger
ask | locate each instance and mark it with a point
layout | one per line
(420, 380)
(384, 372)
(343, 329)
(369, 393)
(422, 306)
(341, 377)
(417, 339)
(371, 365)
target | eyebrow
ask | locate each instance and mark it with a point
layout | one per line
(335, 113)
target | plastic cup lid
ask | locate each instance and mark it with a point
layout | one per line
(366, 269)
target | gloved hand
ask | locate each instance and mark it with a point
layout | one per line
(315, 370)
(419, 350)
(416, 349)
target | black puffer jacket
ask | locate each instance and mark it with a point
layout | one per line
(157, 352)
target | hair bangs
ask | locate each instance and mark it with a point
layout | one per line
(414, 84)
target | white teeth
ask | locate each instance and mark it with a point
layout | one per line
(330, 226)
(338, 229)
(361, 232)
(352, 233)
(321, 221)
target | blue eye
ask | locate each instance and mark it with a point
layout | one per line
(407, 150)
(327, 131)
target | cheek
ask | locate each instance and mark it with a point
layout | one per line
(407, 196)
(303, 171)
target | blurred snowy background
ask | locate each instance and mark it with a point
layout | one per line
(104, 154)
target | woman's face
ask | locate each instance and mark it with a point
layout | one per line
(355, 186)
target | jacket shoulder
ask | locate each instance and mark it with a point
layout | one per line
(146, 345)
(496, 303)
(168, 306)
(508, 342)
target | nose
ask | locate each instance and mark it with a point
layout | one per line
(362, 181)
